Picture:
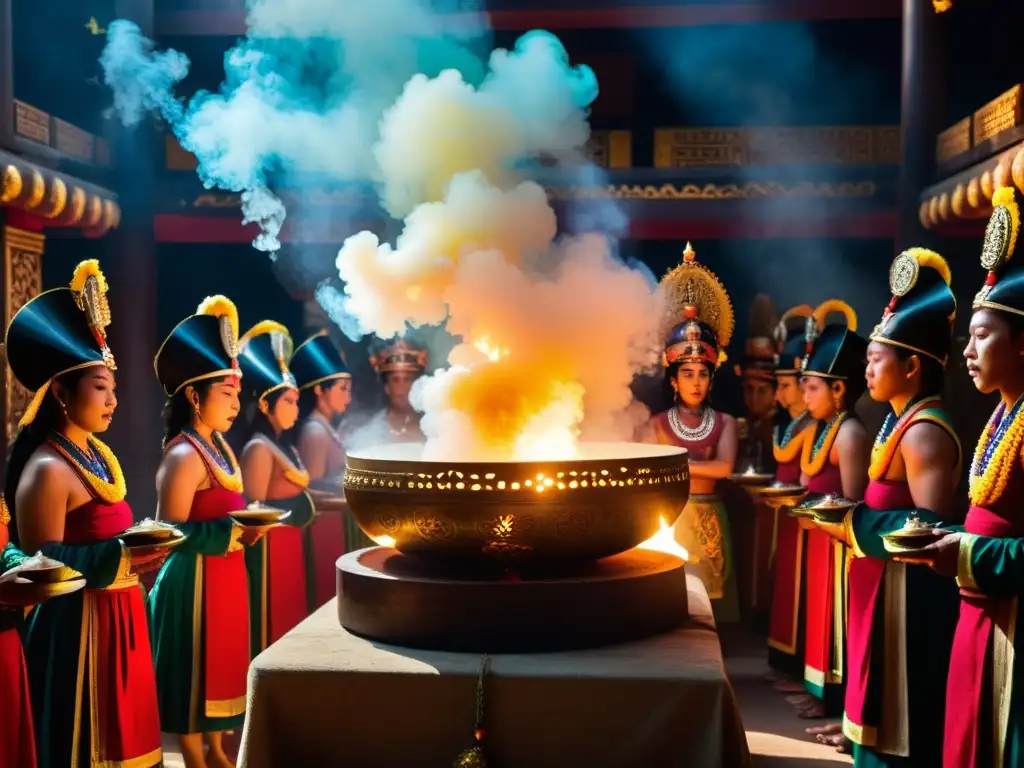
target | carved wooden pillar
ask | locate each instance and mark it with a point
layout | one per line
(921, 113)
(22, 280)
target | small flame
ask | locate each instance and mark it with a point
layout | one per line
(494, 354)
(665, 541)
(384, 541)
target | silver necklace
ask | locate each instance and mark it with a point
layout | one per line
(401, 430)
(695, 434)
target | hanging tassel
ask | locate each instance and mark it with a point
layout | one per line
(474, 757)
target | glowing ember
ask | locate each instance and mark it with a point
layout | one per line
(665, 541)
(385, 541)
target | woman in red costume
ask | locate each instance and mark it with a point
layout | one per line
(984, 716)
(833, 459)
(785, 630)
(900, 625)
(694, 348)
(89, 661)
(17, 735)
(199, 607)
(325, 390)
(273, 472)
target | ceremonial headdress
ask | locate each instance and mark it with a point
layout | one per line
(59, 331)
(791, 340)
(400, 356)
(202, 346)
(699, 318)
(265, 350)
(759, 351)
(317, 360)
(1004, 284)
(836, 351)
(920, 316)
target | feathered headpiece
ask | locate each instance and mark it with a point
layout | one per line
(1004, 284)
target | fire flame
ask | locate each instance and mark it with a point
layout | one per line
(494, 354)
(665, 541)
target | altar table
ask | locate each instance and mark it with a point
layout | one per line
(321, 696)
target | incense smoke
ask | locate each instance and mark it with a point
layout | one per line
(553, 329)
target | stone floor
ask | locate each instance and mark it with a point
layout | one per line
(776, 737)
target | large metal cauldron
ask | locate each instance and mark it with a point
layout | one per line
(611, 499)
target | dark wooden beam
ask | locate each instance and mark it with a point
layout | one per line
(232, 22)
(879, 224)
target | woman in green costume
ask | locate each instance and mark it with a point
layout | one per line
(199, 607)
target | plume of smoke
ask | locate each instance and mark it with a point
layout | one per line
(554, 330)
(303, 92)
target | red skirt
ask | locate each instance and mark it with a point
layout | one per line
(17, 737)
(327, 544)
(285, 578)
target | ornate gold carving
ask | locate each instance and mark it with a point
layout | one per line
(37, 190)
(24, 280)
(750, 191)
(998, 115)
(78, 199)
(903, 274)
(953, 141)
(432, 527)
(996, 245)
(95, 211)
(12, 185)
(611, 149)
(31, 123)
(786, 145)
(58, 198)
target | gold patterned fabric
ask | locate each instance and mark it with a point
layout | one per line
(700, 530)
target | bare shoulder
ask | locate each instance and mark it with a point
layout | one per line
(313, 431)
(257, 450)
(45, 465)
(852, 433)
(927, 441)
(182, 457)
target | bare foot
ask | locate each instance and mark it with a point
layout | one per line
(788, 686)
(813, 712)
(799, 699)
(828, 729)
(841, 743)
(218, 760)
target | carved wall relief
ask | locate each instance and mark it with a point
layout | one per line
(23, 280)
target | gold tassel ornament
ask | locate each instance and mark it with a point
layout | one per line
(474, 757)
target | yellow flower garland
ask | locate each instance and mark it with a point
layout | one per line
(299, 477)
(112, 492)
(812, 465)
(229, 482)
(884, 451)
(986, 488)
(786, 453)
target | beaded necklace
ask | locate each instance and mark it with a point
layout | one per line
(996, 454)
(98, 467)
(222, 462)
(708, 420)
(816, 452)
(884, 449)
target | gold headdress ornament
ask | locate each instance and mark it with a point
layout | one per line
(816, 321)
(222, 307)
(400, 356)
(89, 289)
(999, 245)
(803, 311)
(281, 345)
(692, 290)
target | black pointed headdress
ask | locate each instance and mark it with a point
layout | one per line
(202, 346)
(920, 316)
(836, 351)
(791, 340)
(266, 349)
(317, 360)
(58, 331)
(1004, 284)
